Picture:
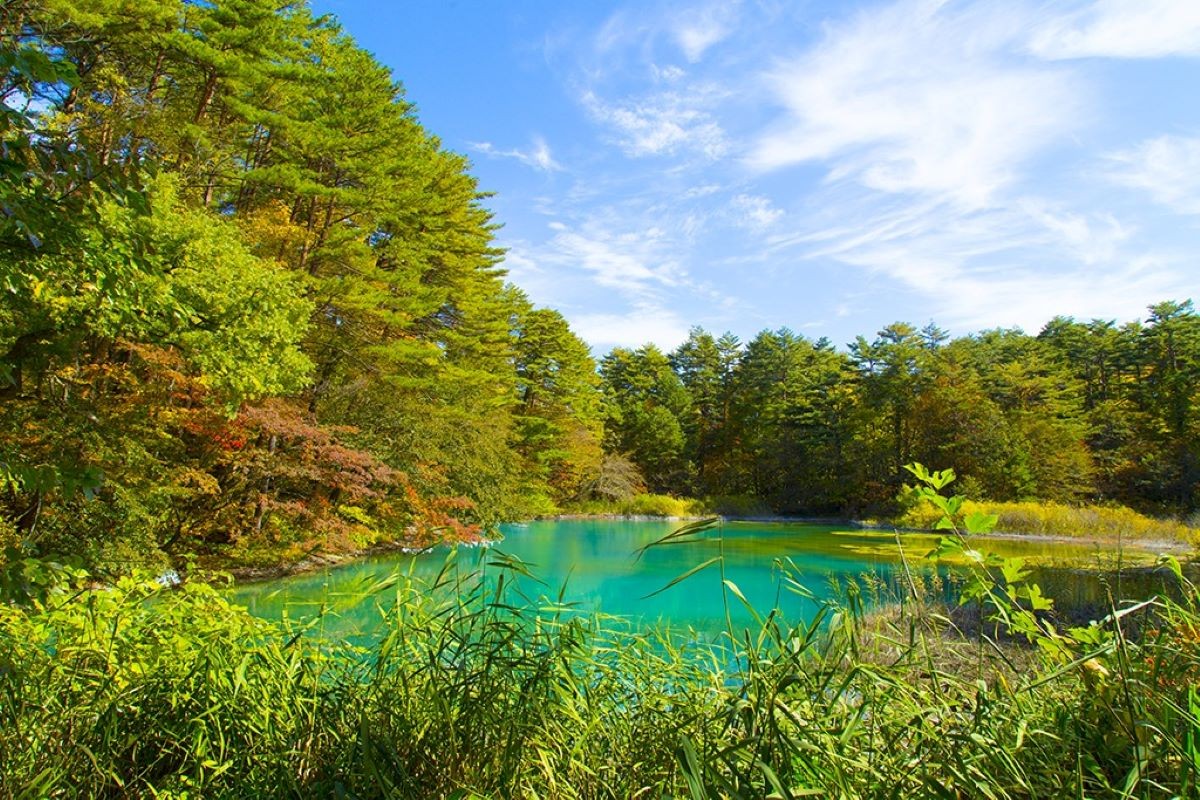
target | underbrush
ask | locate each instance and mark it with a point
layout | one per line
(642, 505)
(738, 505)
(1108, 523)
(472, 690)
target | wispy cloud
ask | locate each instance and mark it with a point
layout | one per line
(662, 124)
(631, 273)
(1122, 29)
(1017, 265)
(538, 156)
(919, 96)
(635, 262)
(943, 152)
(1167, 167)
(696, 30)
(754, 213)
(928, 118)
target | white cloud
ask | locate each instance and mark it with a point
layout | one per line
(950, 139)
(668, 73)
(693, 30)
(1167, 167)
(703, 190)
(639, 326)
(1122, 29)
(1090, 239)
(1030, 298)
(754, 213)
(919, 97)
(538, 156)
(1018, 265)
(699, 29)
(661, 125)
(610, 286)
(636, 263)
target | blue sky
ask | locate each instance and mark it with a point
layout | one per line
(827, 166)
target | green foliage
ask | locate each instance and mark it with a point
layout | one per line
(1000, 584)
(643, 505)
(240, 282)
(1081, 413)
(472, 690)
(241, 288)
(646, 403)
(737, 505)
(559, 417)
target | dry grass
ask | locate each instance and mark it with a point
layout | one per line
(1101, 523)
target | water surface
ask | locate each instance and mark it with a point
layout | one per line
(596, 565)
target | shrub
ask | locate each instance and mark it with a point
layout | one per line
(658, 505)
(642, 505)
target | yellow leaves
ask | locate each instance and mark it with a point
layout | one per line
(269, 232)
(1094, 672)
(199, 481)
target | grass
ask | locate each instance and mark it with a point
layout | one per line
(474, 691)
(661, 505)
(1104, 523)
(642, 505)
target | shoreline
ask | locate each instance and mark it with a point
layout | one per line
(318, 561)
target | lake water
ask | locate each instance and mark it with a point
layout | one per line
(595, 566)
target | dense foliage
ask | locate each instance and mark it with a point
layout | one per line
(249, 307)
(1081, 412)
(472, 692)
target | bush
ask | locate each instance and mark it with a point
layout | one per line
(642, 505)
(136, 690)
(658, 505)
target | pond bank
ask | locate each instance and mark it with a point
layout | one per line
(1170, 546)
(317, 561)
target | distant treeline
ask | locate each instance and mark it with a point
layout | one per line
(1081, 412)
(250, 308)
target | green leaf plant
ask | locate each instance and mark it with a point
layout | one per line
(1013, 602)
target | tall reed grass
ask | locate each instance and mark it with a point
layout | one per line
(472, 690)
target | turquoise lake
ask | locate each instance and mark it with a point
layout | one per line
(595, 565)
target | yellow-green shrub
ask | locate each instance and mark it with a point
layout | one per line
(1057, 519)
(643, 505)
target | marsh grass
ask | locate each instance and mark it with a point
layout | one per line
(1101, 523)
(475, 690)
